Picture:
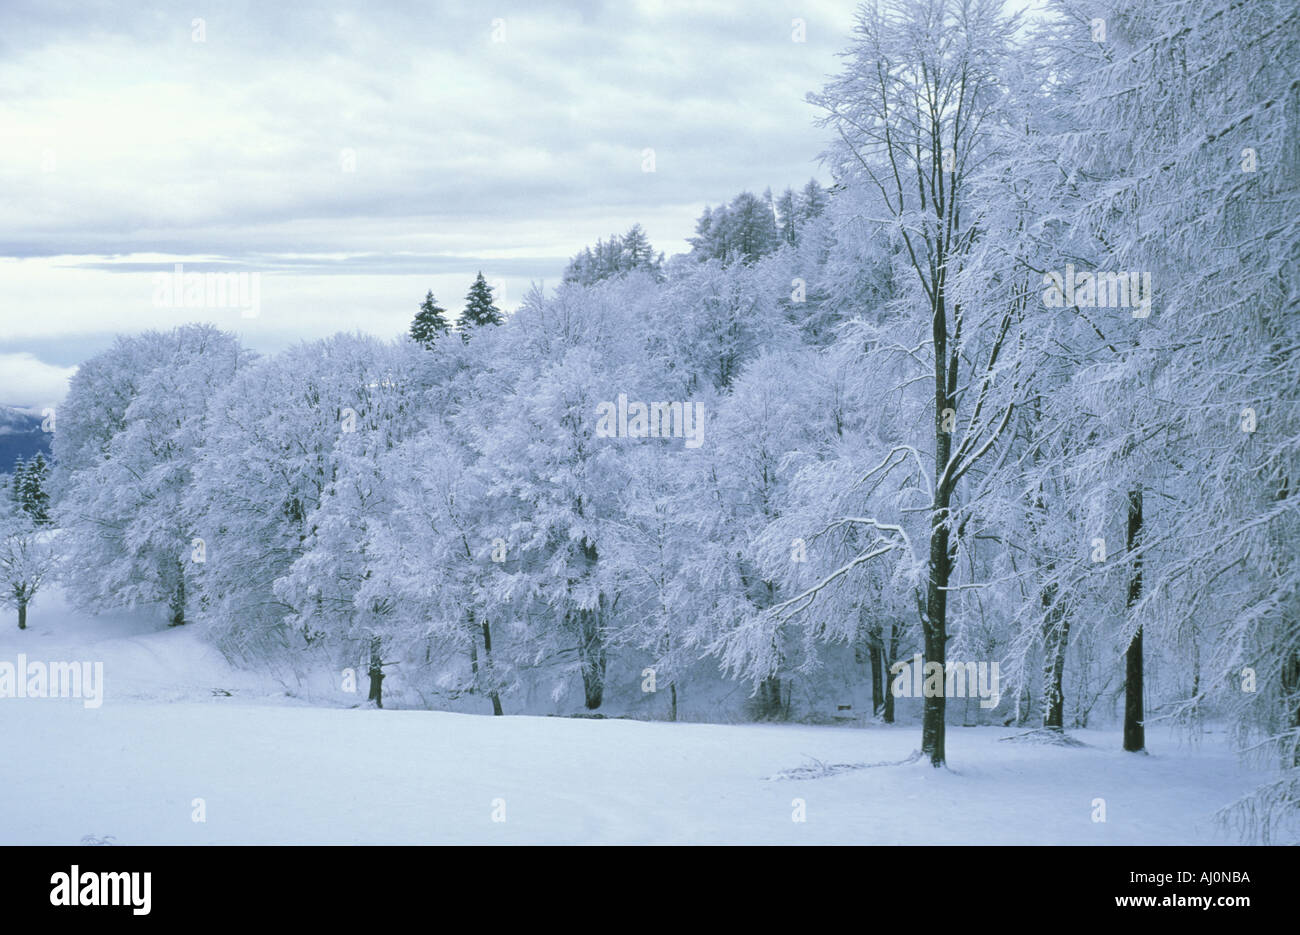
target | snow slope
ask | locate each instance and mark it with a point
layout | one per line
(271, 769)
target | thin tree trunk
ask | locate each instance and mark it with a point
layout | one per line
(1291, 696)
(376, 673)
(934, 625)
(1025, 705)
(591, 639)
(591, 656)
(768, 703)
(877, 690)
(485, 631)
(934, 620)
(178, 600)
(889, 652)
(769, 699)
(487, 658)
(1056, 631)
(1196, 665)
(1134, 729)
(672, 701)
(1054, 700)
(1290, 666)
(22, 613)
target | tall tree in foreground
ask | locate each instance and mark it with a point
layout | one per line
(913, 112)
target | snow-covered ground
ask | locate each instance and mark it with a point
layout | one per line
(271, 769)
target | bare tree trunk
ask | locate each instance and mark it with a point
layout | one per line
(1024, 705)
(22, 613)
(178, 600)
(1291, 665)
(889, 652)
(672, 701)
(877, 690)
(487, 658)
(1134, 729)
(934, 619)
(591, 656)
(376, 673)
(1056, 631)
(1196, 665)
(1054, 688)
(1291, 697)
(769, 699)
(591, 639)
(934, 625)
(473, 650)
(485, 631)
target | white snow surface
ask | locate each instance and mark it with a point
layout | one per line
(271, 769)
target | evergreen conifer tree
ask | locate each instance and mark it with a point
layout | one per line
(33, 493)
(479, 308)
(17, 480)
(430, 322)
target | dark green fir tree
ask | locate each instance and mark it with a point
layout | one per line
(430, 323)
(479, 309)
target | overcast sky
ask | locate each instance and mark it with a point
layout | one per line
(357, 155)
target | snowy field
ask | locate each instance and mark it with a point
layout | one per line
(272, 770)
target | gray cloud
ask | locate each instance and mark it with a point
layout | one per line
(155, 137)
(381, 140)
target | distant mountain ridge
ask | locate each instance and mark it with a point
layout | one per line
(20, 437)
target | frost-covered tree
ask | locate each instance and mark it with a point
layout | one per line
(745, 230)
(28, 557)
(271, 453)
(326, 585)
(554, 483)
(1187, 159)
(654, 540)
(559, 498)
(723, 316)
(913, 111)
(629, 253)
(433, 558)
(129, 538)
(786, 408)
(813, 200)
(637, 252)
(787, 211)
